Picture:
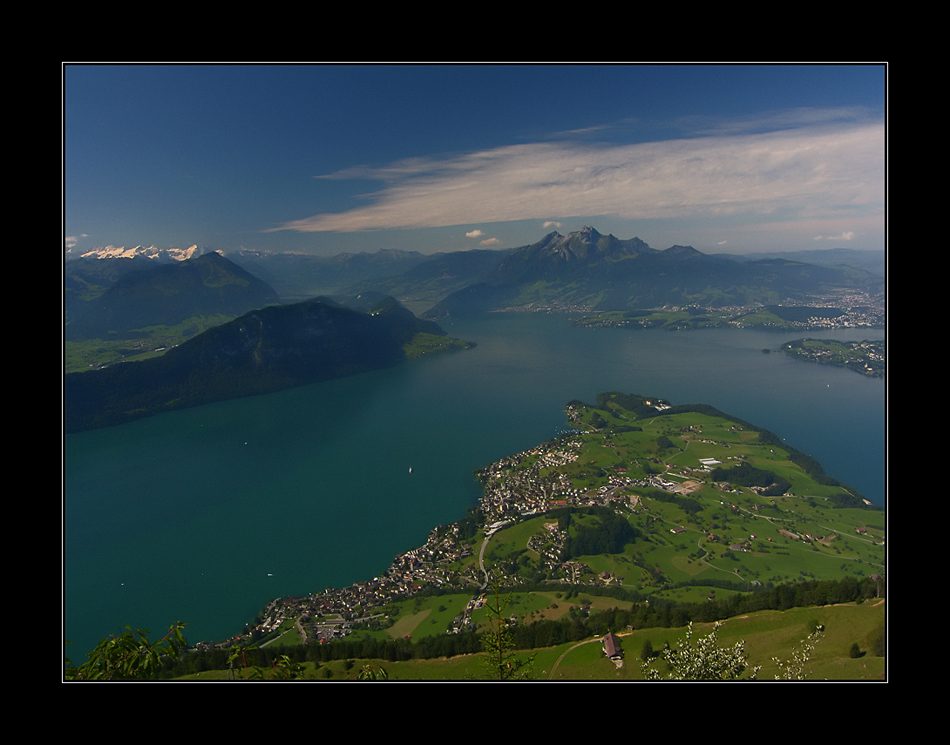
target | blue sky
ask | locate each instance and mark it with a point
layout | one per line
(324, 159)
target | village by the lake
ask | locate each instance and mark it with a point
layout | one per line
(678, 477)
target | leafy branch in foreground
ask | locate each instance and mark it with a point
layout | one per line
(282, 668)
(128, 656)
(373, 672)
(500, 660)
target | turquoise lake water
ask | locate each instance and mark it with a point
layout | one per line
(205, 515)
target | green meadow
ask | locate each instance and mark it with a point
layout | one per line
(153, 341)
(843, 654)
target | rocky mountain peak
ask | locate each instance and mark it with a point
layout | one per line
(589, 234)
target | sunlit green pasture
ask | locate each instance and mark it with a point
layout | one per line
(152, 341)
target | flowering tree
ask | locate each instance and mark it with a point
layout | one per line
(703, 659)
(794, 669)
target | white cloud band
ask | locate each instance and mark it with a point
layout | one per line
(801, 172)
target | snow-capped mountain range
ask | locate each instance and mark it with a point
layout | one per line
(149, 252)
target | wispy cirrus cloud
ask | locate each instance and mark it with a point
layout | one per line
(847, 235)
(812, 169)
(70, 241)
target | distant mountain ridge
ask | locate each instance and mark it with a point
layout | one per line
(871, 261)
(588, 270)
(557, 257)
(166, 294)
(269, 349)
(297, 276)
(583, 270)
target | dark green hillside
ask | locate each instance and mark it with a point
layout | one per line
(87, 278)
(472, 300)
(167, 295)
(266, 350)
(608, 536)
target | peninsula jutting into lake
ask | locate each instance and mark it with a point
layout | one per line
(640, 496)
(865, 357)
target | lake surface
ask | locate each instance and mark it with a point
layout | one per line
(205, 515)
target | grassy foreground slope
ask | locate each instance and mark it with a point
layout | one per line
(767, 635)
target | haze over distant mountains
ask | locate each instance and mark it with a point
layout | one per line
(151, 294)
(427, 279)
(599, 272)
(271, 345)
(874, 262)
(584, 269)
